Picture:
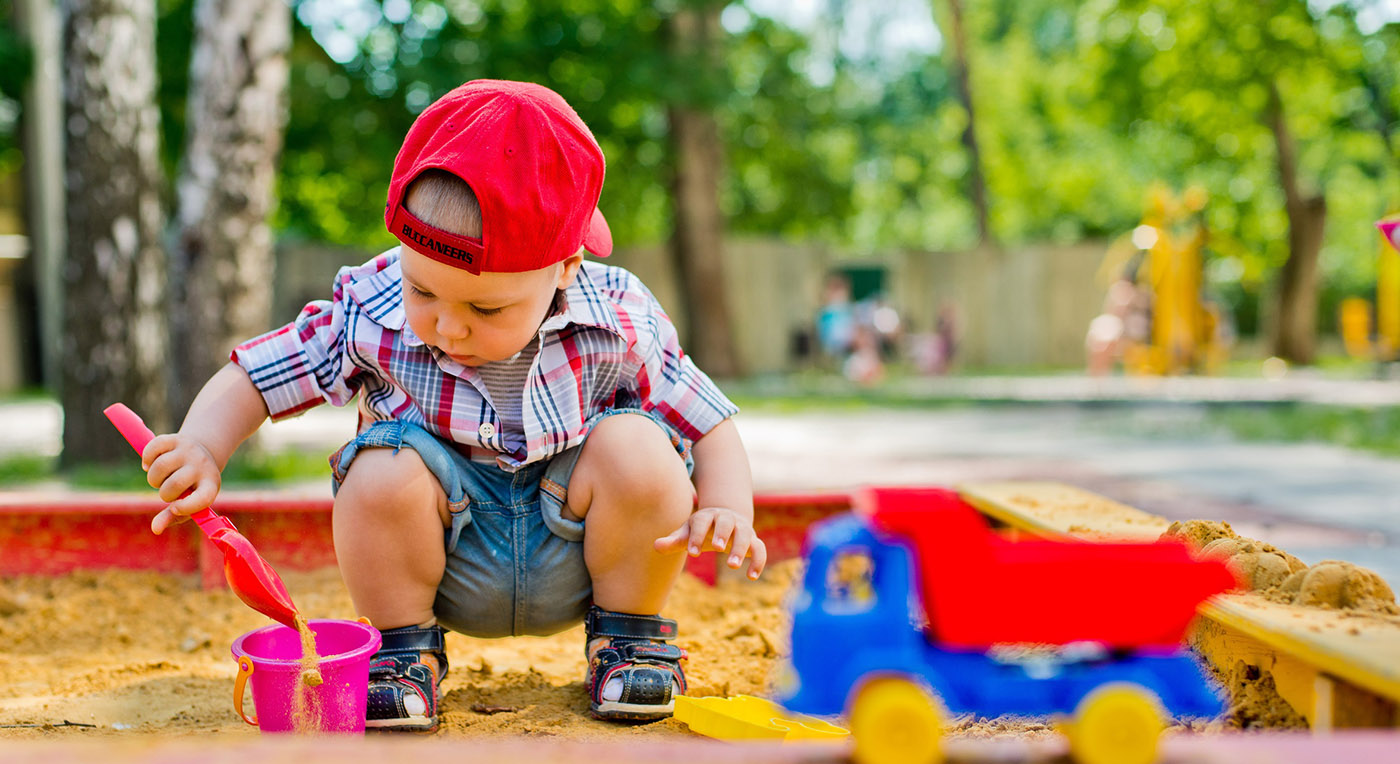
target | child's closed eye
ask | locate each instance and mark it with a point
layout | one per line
(480, 311)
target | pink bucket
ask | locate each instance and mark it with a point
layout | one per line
(270, 660)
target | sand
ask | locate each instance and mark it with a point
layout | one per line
(144, 656)
(143, 653)
(1278, 576)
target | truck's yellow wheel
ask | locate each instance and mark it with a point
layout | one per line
(895, 721)
(1116, 724)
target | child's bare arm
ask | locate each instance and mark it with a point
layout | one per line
(227, 410)
(724, 486)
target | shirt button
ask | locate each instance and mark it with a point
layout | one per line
(486, 430)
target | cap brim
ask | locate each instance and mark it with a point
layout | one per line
(598, 240)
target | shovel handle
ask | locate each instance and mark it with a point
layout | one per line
(129, 425)
(139, 436)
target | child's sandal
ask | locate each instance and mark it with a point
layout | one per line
(635, 675)
(403, 690)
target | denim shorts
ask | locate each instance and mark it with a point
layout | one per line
(514, 562)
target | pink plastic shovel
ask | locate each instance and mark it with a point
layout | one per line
(248, 574)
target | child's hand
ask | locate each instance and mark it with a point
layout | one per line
(723, 529)
(184, 472)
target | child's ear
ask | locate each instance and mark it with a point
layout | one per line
(571, 265)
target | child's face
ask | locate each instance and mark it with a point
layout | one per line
(477, 319)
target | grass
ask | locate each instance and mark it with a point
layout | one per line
(24, 468)
(817, 391)
(246, 470)
(1368, 429)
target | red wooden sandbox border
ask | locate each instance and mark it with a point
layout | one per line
(57, 533)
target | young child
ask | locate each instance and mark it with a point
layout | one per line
(529, 426)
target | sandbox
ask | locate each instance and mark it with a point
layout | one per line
(143, 657)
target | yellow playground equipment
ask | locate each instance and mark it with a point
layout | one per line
(1354, 313)
(1168, 326)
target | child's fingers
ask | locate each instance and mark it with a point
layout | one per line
(200, 496)
(700, 524)
(158, 445)
(159, 470)
(759, 550)
(673, 540)
(163, 520)
(174, 485)
(739, 546)
(724, 524)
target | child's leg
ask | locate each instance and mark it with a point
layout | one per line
(390, 512)
(388, 521)
(631, 488)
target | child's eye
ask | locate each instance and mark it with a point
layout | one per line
(417, 292)
(486, 311)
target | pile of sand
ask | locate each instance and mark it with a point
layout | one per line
(1280, 577)
(1275, 575)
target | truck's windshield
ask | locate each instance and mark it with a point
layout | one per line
(850, 581)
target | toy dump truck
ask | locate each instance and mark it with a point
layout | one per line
(913, 608)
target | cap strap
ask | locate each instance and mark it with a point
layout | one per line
(457, 251)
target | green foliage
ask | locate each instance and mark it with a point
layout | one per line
(347, 118)
(15, 64)
(174, 40)
(1196, 77)
(1081, 107)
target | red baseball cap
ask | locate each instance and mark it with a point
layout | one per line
(534, 166)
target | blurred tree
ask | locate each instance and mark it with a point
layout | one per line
(222, 255)
(976, 184)
(114, 342)
(697, 238)
(1245, 83)
(1093, 103)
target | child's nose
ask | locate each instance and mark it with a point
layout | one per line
(452, 327)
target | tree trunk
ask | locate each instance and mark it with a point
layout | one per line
(222, 263)
(697, 238)
(41, 118)
(976, 181)
(1295, 336)
(114, 342)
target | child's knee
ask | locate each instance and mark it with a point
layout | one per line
(636, 458)
(389, 482)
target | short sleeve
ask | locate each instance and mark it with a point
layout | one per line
(304, 364)
(669, 383)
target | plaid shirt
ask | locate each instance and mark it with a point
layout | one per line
(607, 345)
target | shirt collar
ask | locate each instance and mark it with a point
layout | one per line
(585, 304)
(380, 294)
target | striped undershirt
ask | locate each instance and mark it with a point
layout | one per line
(505, 386)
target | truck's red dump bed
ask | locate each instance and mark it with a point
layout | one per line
(980, 588)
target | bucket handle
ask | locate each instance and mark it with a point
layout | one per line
(245, 670)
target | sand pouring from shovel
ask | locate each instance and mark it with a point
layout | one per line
(248, 574)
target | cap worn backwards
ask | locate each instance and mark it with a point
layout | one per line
(534, 166)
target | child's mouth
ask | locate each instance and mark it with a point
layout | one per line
(465, 360)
